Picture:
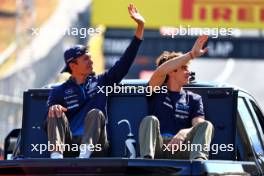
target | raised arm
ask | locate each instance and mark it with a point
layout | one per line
(121, 67)
(159, 75)
(138, 19)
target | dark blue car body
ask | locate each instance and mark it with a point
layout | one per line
(237, 119)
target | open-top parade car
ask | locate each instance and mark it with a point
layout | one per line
(237, 119)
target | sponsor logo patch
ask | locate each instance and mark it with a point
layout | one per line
(68, 91)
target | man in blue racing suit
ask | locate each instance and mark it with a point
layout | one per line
(176, 126)
(77, 107)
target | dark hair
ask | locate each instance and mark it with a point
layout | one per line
(164, 57)
(68, 65)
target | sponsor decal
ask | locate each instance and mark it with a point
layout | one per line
(230, 11)
(68, 91)
(71, 102)
(73, 106)
(70, 96)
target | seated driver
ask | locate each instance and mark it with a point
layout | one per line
(177, 116)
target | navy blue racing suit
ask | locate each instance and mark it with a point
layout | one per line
(80, 99)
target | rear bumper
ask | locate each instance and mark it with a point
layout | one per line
(120, 166)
